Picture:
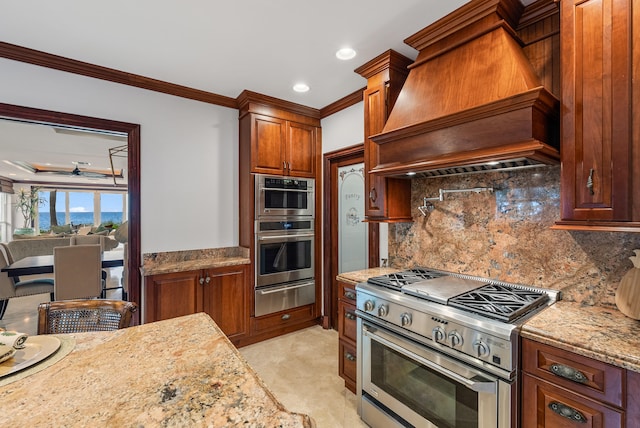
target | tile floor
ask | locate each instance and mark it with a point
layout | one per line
(300, 368)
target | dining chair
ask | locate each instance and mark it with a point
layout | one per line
(87, 240)
(77, 272)
(82, 315)
(10, 287)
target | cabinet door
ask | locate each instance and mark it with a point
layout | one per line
(268, 139)
(596, 91)
(301, 150)
(546, 405)
(375, 116)
(225, 299)
(173, 295)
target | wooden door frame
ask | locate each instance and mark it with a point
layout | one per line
(132, 130)
(331, 162)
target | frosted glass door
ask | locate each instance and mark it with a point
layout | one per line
(352, 232)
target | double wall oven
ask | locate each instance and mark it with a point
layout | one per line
(284, 243)
(438, 349)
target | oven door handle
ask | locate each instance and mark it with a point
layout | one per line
(298, 235)
(291, 287)
(264, 189)
(487, 387)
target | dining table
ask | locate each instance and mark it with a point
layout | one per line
(35, 265)
(178, 372)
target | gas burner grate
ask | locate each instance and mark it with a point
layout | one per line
(501, 302)
(399, 279)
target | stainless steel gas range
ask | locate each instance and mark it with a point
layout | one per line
(439, 349)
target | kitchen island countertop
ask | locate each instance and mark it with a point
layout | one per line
(178, 372)
(601, 333)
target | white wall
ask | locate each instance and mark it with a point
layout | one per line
(189, 151)
(343, 129)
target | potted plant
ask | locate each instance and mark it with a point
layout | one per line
(27, 202)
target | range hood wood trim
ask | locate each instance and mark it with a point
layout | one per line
(497, 127)
(533, 149)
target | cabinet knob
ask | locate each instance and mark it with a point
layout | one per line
(201, 280)
(350, 295)
(285, 317)
(590, 182)
(373, 194)
(349, 356)
(350, 315)
(207, 279)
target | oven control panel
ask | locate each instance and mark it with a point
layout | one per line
(443, 328)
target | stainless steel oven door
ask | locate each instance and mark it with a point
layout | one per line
(405, 382)
(282, 297)
(284, 196)
(284, 257)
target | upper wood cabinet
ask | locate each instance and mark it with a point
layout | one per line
(279, 142)
(389, 199)
(600, 115)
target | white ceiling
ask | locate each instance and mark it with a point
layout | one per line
(223, 47)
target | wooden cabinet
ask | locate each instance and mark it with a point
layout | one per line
(220, 292)
(389, 199)
(347, 334)
(563, 389)
(600, 115)
(281, 147)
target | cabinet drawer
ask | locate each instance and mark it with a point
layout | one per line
(347, 321)
(546, 405)
(346, 292)
(347, 364)
(283, 319)
(591, 378)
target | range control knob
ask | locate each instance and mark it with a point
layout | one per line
(438, 334)
(482, 349)
(383, 310)
(455, 338)
(405, 319)
(369, 305)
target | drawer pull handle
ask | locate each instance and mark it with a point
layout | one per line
(349, 356)
(350, 295)
(350, 315)
(568, 373)
(567, 412)
(285, 317)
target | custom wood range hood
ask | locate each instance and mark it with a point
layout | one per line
(472, 101)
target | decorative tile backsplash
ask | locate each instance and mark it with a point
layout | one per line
(506, 235)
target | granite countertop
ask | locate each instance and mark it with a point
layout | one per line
(362, 275)
(178, 372)
(601, 333)
(182, 261)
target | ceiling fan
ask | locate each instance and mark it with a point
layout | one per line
(76, 171)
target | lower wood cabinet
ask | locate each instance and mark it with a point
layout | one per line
(220, 292)
(347, 334)
(563, 389)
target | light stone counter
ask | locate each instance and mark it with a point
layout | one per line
(179, 372)
(362, 275)
(601, 333)
(183, 261)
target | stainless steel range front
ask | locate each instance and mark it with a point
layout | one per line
(439, 349)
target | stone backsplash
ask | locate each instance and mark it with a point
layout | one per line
(506, 235)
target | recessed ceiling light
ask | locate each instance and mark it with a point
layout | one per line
(301, 87)
(345, 54)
